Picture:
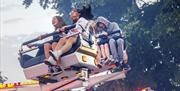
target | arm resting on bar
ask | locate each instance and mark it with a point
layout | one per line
(37, 39)
(114, 32)
(70, 27)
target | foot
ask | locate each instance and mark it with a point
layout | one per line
(126, 67)
(99, 65)
(117, 69)
(103, 61)
(50, 70)
(50, 62)
(57, 69)
(110, 61)
(55, 55)
(121, 66)
(117, 64)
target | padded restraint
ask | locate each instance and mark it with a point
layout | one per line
(87, 51)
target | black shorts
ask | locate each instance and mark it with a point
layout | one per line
(55, 39)
(102, 41)
(74, 47)
(116, 37)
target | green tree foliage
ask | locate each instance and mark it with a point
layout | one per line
(153, 35)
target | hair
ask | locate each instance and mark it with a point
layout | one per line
(86, 13)
(91, 26)
(60, 19)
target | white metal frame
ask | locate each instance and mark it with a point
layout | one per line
(75, 83)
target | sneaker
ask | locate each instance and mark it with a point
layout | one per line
(99, 66)
(50, 70)
(103, 61)
(121, 66)
(110, 61)
(54, 55)
(126, 67)
(117, 64)
(117, 69)
(57, 69)
(50, 62)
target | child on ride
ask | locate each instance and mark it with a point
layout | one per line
(102, 38)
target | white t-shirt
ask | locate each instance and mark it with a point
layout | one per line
(82, 22)
(80, 26)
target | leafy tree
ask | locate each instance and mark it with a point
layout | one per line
(153, 35)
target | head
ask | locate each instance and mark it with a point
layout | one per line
(100, 26)
(102, 23)
(84, 12)
(74, 15)
(58, 22)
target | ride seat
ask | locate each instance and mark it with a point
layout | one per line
(28, 61)
(34, 67)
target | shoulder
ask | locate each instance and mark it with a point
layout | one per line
(113, 26)
(82, 20)
(103, 20)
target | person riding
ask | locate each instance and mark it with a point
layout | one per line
(65, 44)
(116, 43)
(58, 23)
(102, 38)
(114, 39)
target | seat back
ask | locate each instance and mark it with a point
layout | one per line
(28, 61)
(32, 58)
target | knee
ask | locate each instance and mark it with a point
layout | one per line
(125, 56)
(47, 45)
(101, 46)
(120, 41)
(62, 39)
(111, 41)
(106, 45)
(54, 44)
(72, 39)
